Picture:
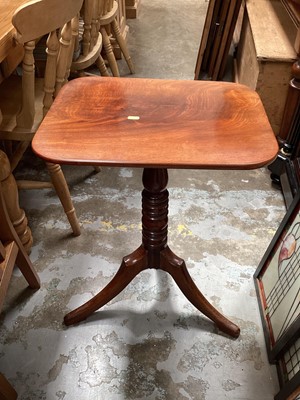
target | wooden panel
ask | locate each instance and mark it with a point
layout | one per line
(132, 8)
(216, 39)
(204, 37)
(2, 253)
(2, 77)
(221, 64)
(272, 86)
(219, 35)
(294, 11)
(265, 55)
(212, 31)
(272, 30)
(297, 42)
(238, 26)
(247, 68)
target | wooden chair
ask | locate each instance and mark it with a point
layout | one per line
(108, 22)
(11, 252)
(11, 197)
(88, 44)
(25, 99)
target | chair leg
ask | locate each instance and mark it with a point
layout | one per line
(18, 154)
(11, 198)
(109, 53)
(101, 66)
(122, 44)
(59, 182)
(12, 252)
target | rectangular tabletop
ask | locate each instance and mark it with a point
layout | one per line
(156, 123)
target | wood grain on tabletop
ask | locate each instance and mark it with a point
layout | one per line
(156, 123)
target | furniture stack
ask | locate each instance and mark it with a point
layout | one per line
(216, 39)
(266, 54)
(97, 25)
(110, 27)
(26, 98)
(286, 168)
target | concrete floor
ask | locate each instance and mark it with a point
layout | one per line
(149, 342)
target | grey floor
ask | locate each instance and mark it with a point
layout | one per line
(149, 342)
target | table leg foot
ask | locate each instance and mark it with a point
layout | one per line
(131, 266)
(176, 267)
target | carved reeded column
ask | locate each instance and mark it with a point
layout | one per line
(285, 169)
(11, 197)
(155, 199)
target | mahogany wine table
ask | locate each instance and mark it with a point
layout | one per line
(155, 124)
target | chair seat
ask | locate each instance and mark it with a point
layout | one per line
(110, 15)
(85, 61)
(10, 100)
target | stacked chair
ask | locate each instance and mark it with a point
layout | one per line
(98, 24)
(77, 32)
(88, 43)
(25, 99)
(109, 26)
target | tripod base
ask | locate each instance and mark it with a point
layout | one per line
(131, 266)
(154, 253)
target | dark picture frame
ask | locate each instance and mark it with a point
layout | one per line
(277, 283)
(288, 369)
